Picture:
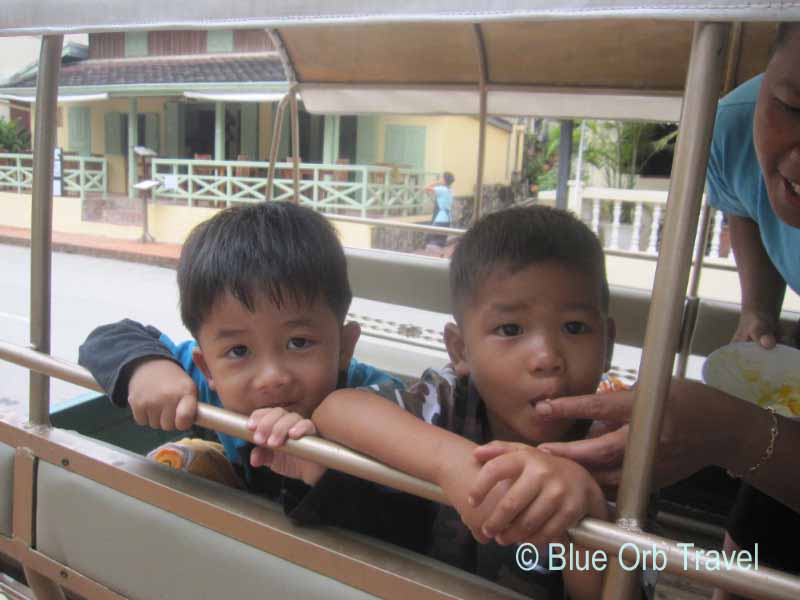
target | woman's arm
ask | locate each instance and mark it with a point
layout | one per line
(762, 285)
(702, 426)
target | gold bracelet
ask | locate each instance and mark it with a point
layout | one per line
(773, 435)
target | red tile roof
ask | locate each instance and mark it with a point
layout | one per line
(196, 69)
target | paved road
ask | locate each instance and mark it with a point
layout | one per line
(86, 292)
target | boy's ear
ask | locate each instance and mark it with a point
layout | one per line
(200, 361)
(454, 340)
(611, 335)
(350, 333)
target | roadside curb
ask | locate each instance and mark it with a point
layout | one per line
(100, 251)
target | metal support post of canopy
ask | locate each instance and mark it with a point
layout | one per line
(42, 219)
(703, 83)
(480, 46)
(273, 150)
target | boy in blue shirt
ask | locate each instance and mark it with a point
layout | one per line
(264, 291)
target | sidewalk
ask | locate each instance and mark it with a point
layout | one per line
(152, 253)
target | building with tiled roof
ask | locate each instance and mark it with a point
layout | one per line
(213, 95)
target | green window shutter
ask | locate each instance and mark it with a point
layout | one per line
(152, 131)
(220, 40)
(330, 140)
(174, 129)
(405, 145)
(249, 130)
(114, 127)
(80, 130)
(135, 43)
(366, 139)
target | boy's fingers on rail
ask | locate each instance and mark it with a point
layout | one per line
(518, 514)
(604, 452)
(611, 406)
(186, 412)
(487, 452)
(261, 457)
(494, 471)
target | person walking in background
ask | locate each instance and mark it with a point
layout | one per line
(443, 204)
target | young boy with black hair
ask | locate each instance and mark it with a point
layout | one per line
(530, 299)
(264, 291)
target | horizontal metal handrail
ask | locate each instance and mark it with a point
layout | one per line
(311, 448)
(396, 224)
(628, 545)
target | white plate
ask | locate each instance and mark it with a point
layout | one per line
(765, 377)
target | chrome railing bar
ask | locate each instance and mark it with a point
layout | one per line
(703, 83)
(762, 583)
(42, 219)
(396, 224)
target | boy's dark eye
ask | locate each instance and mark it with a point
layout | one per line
(792, 110)
(508, 330)
(238, 351)
(298, 343)
(576, 327)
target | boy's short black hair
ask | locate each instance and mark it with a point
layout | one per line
(516, 238)
(448, 178)
(274, 248)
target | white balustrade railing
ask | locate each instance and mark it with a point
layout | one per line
(360, 189)
(80, 174)
(629, 221)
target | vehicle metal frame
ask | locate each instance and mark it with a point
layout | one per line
(710, 50)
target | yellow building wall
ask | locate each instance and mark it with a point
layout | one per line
(15, 211)
(451, 144)
(166, 223)
(171, 225)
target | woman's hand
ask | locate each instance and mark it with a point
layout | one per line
(756, 326)
(691, 436)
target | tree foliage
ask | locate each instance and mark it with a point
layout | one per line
(12, 138)
(618, 149)
(621, 149)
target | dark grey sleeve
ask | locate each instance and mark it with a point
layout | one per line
(111, 352)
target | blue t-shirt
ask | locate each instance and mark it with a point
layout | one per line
(444, 202)
(735, 183)
(358, 375)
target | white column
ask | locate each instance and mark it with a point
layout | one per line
(133, 140)
(219, 131)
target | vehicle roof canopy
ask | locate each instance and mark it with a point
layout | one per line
(538, 54)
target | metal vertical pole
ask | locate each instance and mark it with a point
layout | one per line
(703, 83)
(564, 163)
(42, 218)
(483, 91)
(277, 126)
(133, 141)
(690, 314)
(295, 121)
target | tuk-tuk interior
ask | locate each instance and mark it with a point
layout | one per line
(84, 512)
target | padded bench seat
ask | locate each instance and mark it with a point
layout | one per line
(6, 488)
